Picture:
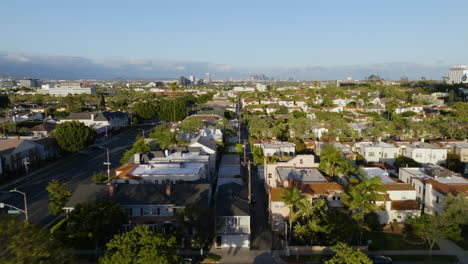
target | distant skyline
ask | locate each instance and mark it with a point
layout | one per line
(300, 39)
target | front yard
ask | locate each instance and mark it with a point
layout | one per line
(387, 241)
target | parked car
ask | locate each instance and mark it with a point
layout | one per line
(378, 259)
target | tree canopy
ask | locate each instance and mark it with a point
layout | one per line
(139, 146)
(58, 196)
(141, 246)
(96, 221)
(191, 125)
(146, 110)
(24, 243)
(345, 254)
(74, 135)
(164, 136)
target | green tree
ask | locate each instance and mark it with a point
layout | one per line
(360, 199)
(294, 199)
(74, 135)
(327, 101)
(59, 195)
(172, 110)
(191, 125)
(141, 246)
(229, 114)
(164, 136)
(198, 220)
(345, 254)
(456, 209)
(24, 243)
(145, 110)
(331, 160)
(138, 147)
(99, 177)
(453, 162)
(95, 221)
(300, 128)
(434, 228)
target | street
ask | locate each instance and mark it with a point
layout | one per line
(71, 172)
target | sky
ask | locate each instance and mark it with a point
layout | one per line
(302, 39)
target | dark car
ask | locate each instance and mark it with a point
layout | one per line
(380, 259)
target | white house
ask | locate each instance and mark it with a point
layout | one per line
(377, 152)
(111, 120)
(319, 131)
(160, 173)
(279, 148)
(432, 183)
(423, 152)
(232, 217)
(207, 146)
(399, 201)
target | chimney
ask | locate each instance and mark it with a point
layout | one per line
(168, 190)
(136, 158)
(422, 140)
(112, 189)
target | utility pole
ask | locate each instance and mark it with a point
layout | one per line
(250, 182)
(107, 163)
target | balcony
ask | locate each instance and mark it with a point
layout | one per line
(239, 229)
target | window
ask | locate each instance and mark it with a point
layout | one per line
(301, 161)
(418, 155)
(269, 175)
(419, 189)
(385, 155)
(371, 154)
(437, 199)
(150, 211)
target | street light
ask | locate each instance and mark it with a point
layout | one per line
(25, 211)
(107, 163)
(142, 131)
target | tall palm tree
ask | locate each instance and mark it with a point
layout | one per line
(330, 160)
(293, 198)
(361, 196)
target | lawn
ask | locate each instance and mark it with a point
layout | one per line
(425, 258)
(386, 241)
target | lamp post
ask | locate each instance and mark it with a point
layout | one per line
(25, 203)
(107, 163)
(142, 132)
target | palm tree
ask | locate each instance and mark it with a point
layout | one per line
(330, 160)
(361, 196)
(293, 199)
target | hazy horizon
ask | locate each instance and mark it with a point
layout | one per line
(299, 39)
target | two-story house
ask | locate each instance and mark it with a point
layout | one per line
(148, 204)
(423, 152)
(232, 216)
(432, 183)
(279, 148)
(377, 152)
(399, 201)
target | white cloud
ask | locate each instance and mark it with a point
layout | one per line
(74, 67)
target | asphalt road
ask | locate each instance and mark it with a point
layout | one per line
(71, 172)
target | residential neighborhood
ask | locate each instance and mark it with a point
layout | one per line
(264, 132)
